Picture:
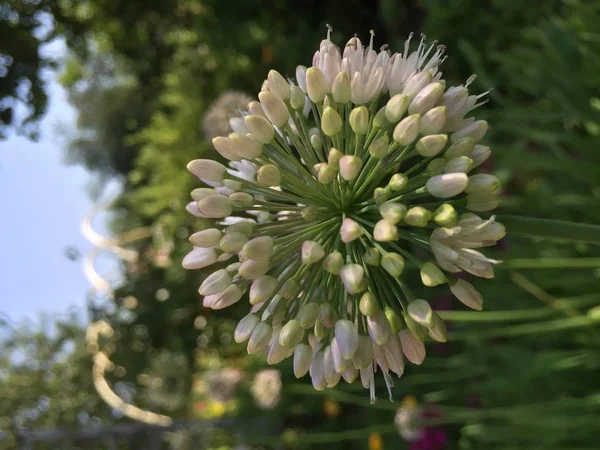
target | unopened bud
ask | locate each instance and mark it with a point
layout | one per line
(297, 99)
(260, 338)
(289, 289)
(262, 289)
(436, 166)
(224, 147)
(418, 216)
(274, 108)
(380, 121)
(301, 77)
(260, 128)
(340, 88)
(268, 175)
(350, 167)
(482, 202)
(393, 263)
(396, 107)
(346, 336)
(420, 311)
(331, 122)
(392, 212)
(398, 182)
(416, 83)
(333, 263)
(381, 195)
(437, 331)
(215, 283)
(352, 276)
(291, 334)
(233, 185)
(307, 316)
(482, 183)
(447, 185)
(407, 130)
(251, 269)
(359, 120)
(461, 164)
(243, 226)
(445, 216)
(206, 238)
(327, 315)
(245, 145)
(312, 252)
(431, 275)
(316, 85)
(433, 121)
(413, 348)
(480, 154)
(462, 147)
(368, 304)
(379, 328)
(379, 147)
(372, 257)
(316, 142)
(385, 231)
(418, 331)
(278, 84)
(207, 169)
(200, 193)
(431, 145)
(325, 173)
(215, 206)
(241, 200)
(302, 360)
(233, 242)
(244, 328)
(257, 248)
(350, 230)
(426, 98)
(255, 108)
(334, 158)
(394, 320)
(475, 131)
(230, 295)
(467, 294)
(364, 354)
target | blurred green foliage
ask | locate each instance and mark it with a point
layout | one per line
(527, 379)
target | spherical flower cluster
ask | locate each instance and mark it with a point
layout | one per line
(332, 183)
(266, 388)
(225, 114)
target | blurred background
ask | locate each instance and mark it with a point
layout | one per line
(103, 341)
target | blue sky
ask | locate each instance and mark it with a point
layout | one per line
(43, 202)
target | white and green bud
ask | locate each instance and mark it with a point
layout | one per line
(291, 334)
(312, 252)
(346, 336)
(289, 289)
(398, 182)
(368, 304)
(393, 263)
(251, 269)
(381, 195)
(407, 130)
(480, 154)
(316, 85)
(483, 202)
(431, 275)
(437, 331)
(333, 159)
(396, 107)
(340, 89)
(475, 130)
(227, 297)
(260, 128)
(274, 107)
(327, 315)
(364, 353)
(380, 121)
(268, 175)
(297, 98)
(262, 289)
(394, 320)
(433, 121)
(436, 166)
(316, 142)
(379, 328)
(207, 169)
(245, 145)
(215, 206)
(426, 99)
(206, 238)
(482, 183)
(245, 327)
(372, 257)
(420, 311)
(244, 226)
(233, 185)
(339, 362)
(308, 314)
(352, 276)
(413, 348)
(385, 231)
(350, 374)
(333, 263)
(331, 122)
(462, 147)
(379, 147)
(255, 108)
(431, 145)
(350, 167)
(241, 200)
(447, 185)
(460, 164)
(260, 338)
(325, 173)
(278, 84)
(445, 216)
(416, 83)
(350, 230)
(224, 147)
(392, 212)
(257, 248)
(200, 193)
(359, 120)
(418, 216)
(216, 282)
(467, 294)
(302, 360)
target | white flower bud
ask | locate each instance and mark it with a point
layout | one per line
(307, 316)
(301, 77)
(328, 367)
(291, 334)
(436, 166)
(278, 84)
(445, 216)
(431, 275)
(238, 125)
(206, 238)
(289, 289)
(224, 147)
(207, 169)
(482, 183)
(437, 332)
(333, 263)
(325, 173)
(262, 289)
(475, 130)
(379, 147)
(483, 202)
(433, 121)
(339, 362)
(244, 226)
(381, 195)
(392, 352)
(255, 108)
(245, 145)
(379, 328)
(416, 83)
(396, 107)
(462, 147)
(385, 231)
(392, 212)
(274, 107)
(215, 282)
(413, 349)
(302, 360)
(260, 128)
(200, 193)
(275, 351)
(317, 372)
(418, 216)
(461, 164)
(398, 182)
(199, 258)
(215, 206)
(350, 374)
(244, 328)
(447, 185)
(346, 335)
(251, 269)
(312, 252)
(341, 89)
(233, 185)
(359, 120)
(331, 122)
(298, 98)
(225, 298)
(224, 257)
(420, 311)
(393, 319)
(364, 353)
(380, 121)
(480, 154)
(372, 257)
(316, 85)
(350, 167)
(233, 242)
(350, 230)
(431, 145)
(407, 130)
(241, 200)
(467, 294)
(368, 304)
(260, 338)
(316, 142)
(309, 213)
(393, 263)
(334, 158)
(352, 276)
(327, 315)
(268, 175)
(426, 99)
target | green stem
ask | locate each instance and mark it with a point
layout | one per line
(550, 228)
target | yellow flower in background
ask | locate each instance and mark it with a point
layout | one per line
(375, 442)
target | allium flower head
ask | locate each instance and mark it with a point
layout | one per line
(335, 183)
(225, 114)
